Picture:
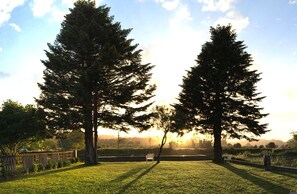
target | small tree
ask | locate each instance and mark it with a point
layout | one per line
(50, 144)
(219, 95)
(72, 140)
(19, 125)
(163, 120)
(204, 143)
(237, 145)
(292, 143)
(271, 145)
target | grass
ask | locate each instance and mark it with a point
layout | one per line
(147, 177)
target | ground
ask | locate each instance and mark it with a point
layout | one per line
(149, 177)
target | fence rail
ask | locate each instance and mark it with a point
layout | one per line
(8, 164)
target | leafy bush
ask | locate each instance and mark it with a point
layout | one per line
(50, 165)
(288, 153)
(35, 167)
(27, 171)
(56, 165)
(3, 172)
(66, 163)
(74, 160)
(60, 164)
(41, 167)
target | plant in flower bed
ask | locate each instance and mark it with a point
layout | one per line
(50, 166)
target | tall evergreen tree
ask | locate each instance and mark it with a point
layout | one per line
(94, 78)
(219, 94)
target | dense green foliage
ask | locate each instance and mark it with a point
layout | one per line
(20, 125)
(147, 177)
(71, 141)
(219, 94)
(94, 78)
(292, 143)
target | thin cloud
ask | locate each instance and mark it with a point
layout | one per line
(41, 7)
(217, 5)
(3, 75)
(167, 50)
(16, 27)
(292, 1)
(182, 15)
(57, 14)
(1, 49)
(169, 4)
(55, 9)
(6, 7)
(70, 3)
(232, 16)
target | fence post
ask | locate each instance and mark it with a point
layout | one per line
(267, 162)
(75, 153)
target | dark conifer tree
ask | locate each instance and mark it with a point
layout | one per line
(219, 94)
(94, 77)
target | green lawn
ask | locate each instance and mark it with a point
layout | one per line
(147, 177)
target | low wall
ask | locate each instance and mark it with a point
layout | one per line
(143, 158)
(273, 167)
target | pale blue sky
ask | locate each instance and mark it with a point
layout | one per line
(171, 33)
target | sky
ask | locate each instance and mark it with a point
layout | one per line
(170, 33)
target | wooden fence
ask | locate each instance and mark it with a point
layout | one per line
(8, 164)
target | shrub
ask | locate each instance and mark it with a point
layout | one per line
(66, 163)
(287, 153)
(3, 171)
(294, 163)
(50, 165)
(41, 167)
(35, 167)
(55, 165)
(74, 160)
(27, 171)
(60, 164)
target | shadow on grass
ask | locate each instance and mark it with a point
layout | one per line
(262, 182)
(287, 174)
(43, 173)
(130, 173)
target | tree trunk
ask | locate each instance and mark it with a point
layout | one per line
(161, 146)
(90, 153)
(217, 151)
(217, 131)
(95, 124)
(89, 148)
